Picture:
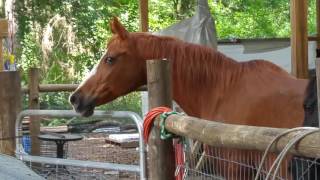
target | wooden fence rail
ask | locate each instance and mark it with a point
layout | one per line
(63, 88)
(239, 136)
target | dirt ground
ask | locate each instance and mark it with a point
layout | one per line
(92, 147)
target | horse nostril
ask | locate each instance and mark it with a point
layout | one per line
(73, 99)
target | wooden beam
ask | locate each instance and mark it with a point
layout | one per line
(10, 106)
(240, 136)
(318, 27)
(34, 79)
(143, 8)
(160, 152)
(318, 84)
(299, 38)
(64, 87)
(3, 33)
(3, 28)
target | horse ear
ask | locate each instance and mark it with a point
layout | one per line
(117, 28)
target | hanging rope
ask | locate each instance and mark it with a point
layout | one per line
(164, 134)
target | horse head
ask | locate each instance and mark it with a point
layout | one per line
(119, 71)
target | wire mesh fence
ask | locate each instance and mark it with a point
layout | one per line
(94, 146)
(205, 162)
(54, 172)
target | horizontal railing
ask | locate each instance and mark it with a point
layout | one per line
(63, 88)
(219, 134)
(20, 153)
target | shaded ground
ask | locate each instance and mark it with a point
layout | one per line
(94, 148)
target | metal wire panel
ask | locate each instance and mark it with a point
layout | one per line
(205, 162)
(90, 158)
(54, 172)
(93, 148)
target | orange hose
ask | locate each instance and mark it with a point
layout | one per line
(149, 119)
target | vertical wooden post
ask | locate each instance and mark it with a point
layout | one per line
(318, 85)
(160, 152)
(34, 78)
(143, 8)
(299, 38)
(10, 106)
(318, 56)
(318, 27)
(3, 34)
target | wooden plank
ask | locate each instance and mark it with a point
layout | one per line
(55, 129)
(126, 144)
(318, 84)
(10, 106)
(3, 28)
(63, 87)
(160, 152)
(318, 22)
(318, 27)
(3, 34)
(143, 8)
(240, 136)
(34, 79)
(1, 57)
(299, 38)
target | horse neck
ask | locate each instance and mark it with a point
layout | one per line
(200, 74)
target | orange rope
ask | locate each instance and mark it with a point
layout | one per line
(149, 119)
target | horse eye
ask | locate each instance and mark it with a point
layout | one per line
(109, 60)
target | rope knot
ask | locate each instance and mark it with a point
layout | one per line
(164, 112)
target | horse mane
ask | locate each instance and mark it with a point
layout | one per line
(196, 63)
(310, 99)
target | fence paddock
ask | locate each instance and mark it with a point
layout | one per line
(218, 134)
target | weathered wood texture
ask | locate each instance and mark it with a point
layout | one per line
(34, 79)
(10, 106)
(318, 23)
(63, 87)
(160, 152)
(239, 136)
(3, 33)
(143, 8)
(318, 84)
(299, 38)
(3, 28)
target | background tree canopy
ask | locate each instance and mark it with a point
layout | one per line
(66, 38)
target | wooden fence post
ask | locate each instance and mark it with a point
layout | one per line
(34, 79)
(10, 106)
(3, 34)
(160, 152)
(299, 38)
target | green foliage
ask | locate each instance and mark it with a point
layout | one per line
(66, 38)
(256, 18)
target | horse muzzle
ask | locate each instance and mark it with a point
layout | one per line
(81, 104)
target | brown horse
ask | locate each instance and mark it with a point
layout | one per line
(206, 83)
